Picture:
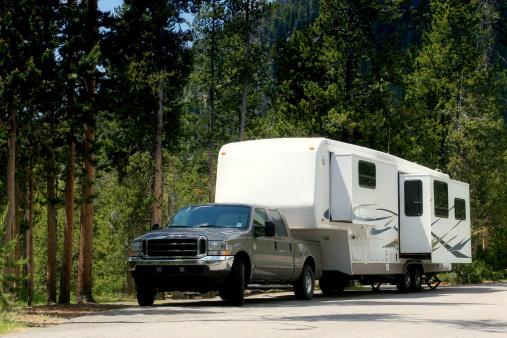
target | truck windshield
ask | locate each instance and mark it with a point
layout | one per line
(211, 216)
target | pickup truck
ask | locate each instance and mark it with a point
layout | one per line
(224, 248)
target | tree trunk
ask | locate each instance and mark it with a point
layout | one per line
(349, 74)
(86, 234)
(158, 188)
(11, 222)
(52, 239)
(29, 237)
(69, 226)
(211, 156)
(84, 280)
(245, 73)
(349, 94)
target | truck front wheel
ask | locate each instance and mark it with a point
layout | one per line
(305, 285)
(145, 294)
(234, 290)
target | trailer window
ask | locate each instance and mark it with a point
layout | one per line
(413, 198)
(367, 174)
(280, 230)
(441, 199)
(460, 211)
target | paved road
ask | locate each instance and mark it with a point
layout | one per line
(463, 311)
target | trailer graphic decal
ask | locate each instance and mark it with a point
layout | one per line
(455, 250)
(379, 228)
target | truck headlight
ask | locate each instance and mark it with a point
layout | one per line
(136, 249)
(218, 248)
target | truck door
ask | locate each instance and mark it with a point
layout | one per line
(264, 253)
(283, 247)
(415, 216)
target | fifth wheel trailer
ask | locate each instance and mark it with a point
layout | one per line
(378, 218)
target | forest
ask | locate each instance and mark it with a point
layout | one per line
(110, 121)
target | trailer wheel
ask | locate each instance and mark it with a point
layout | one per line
(145, 294)
(234, 291)
(404, 281)
(415, 278)
(305, 285)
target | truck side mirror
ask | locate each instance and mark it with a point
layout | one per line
(155, 226)
(270, 229)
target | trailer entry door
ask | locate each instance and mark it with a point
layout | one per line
(415, 216)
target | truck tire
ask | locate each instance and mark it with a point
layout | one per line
(145, 294)
(415, 278)
(332, 286)
(223, 294)
(305, 285)
(234, 291)
(404, 281)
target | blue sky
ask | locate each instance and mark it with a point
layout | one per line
(109, 5)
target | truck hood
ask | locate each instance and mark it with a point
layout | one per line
(213, 234)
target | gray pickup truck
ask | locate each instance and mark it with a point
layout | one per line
(224, 248)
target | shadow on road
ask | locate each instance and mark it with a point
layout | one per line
(214, 310)
(353, 297)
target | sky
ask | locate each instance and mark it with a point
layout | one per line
(109, 5)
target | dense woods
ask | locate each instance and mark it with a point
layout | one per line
(111, 121)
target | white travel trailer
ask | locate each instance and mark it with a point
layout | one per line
(379, 218)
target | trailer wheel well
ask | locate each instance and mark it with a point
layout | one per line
(415, 265)
(245, 259)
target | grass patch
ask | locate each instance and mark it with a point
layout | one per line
(20, 317)
(9, 322)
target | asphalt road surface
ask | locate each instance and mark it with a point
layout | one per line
(458, 311)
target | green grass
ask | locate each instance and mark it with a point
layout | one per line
(8, 322)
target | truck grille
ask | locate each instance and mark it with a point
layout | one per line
(174, 247)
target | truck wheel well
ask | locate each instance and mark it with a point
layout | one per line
(243, 257)
(311, 262)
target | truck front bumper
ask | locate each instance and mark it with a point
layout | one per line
(185, 274)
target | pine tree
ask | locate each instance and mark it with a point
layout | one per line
(454, 97)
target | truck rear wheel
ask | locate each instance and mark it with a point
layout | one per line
(234, 291)
(330, 285)
(305, 285)
(145, 294)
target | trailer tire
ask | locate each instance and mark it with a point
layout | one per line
(404, 281)
(415, 278)
(145, 294)
(305, 285)
(234, 291)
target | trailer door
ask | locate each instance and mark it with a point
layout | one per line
(415, 216)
